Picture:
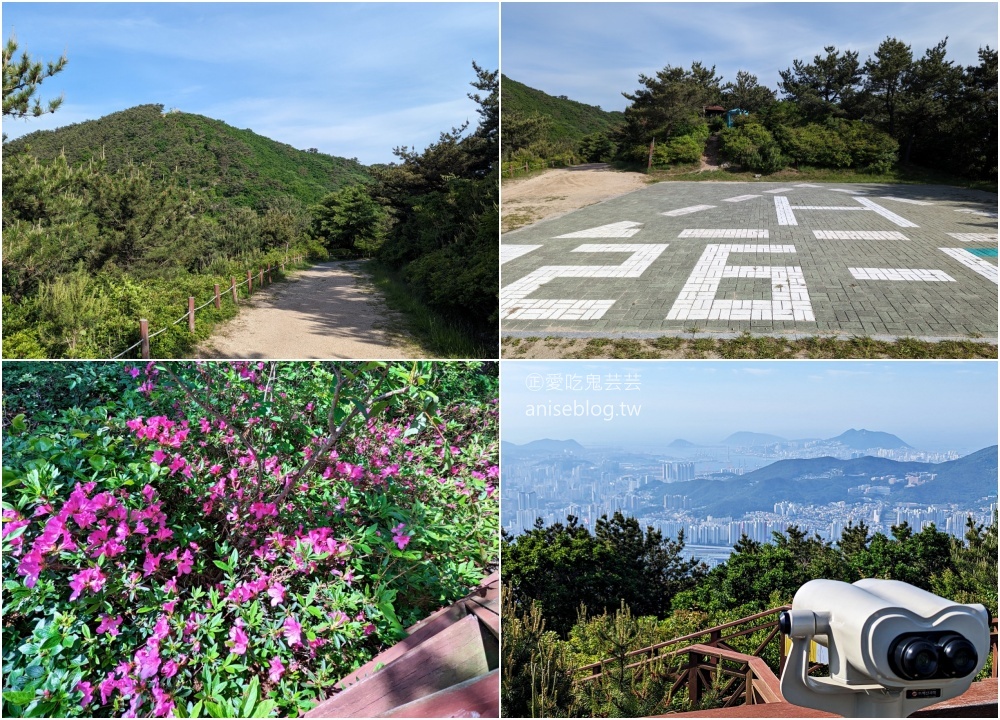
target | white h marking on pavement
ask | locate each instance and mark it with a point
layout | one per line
(859, 235)
(905, 200)
(887, 214)
(784, 210)
(697, 301)
(512, 252)
(626, 228)
(907, 274)
(740, 198)
(974, 237)
(729, 233)
(515, 306)
(687, 210)
(987, 270)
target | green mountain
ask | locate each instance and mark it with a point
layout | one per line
(752, 439)
(826, 479)
(239, 165)
(864, 439)
(569, 120)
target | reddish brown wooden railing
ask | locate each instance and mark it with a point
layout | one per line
(710, 662)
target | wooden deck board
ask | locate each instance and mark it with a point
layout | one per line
(478, 697)
(447, 658)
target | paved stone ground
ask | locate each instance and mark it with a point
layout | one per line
(885, 261)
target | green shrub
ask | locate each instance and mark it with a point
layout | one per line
(750, 145)
(197, 536)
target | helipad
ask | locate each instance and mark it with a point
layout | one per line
(802, 259)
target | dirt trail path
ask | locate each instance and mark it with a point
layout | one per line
(557, 192)
(329, 311)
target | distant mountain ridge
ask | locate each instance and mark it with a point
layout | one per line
(826, 479)
(240, 166)
(570, 120)
(864, 439)
(543, 446)
(682, 443)
(752, 439)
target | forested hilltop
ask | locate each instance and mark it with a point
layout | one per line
(886, 117)
(239, 166)
(554, 126)
(112, 220)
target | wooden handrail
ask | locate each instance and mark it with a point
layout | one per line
(752, 682)
(718, 629)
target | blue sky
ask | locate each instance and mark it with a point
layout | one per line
(592, 52)
(352, 79)
(932, 405)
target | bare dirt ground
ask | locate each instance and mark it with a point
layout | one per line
(557, 192)
(329, 311)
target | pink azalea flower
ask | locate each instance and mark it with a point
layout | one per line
(158, 457)
(90, 579)
(109, 625)
(293, 631)
(398, 537)
(169, 669)
(277, 593)
(275, 669)
(88, 693)
(185, 564)
(239, 639)
(164, 703)
(148, 661)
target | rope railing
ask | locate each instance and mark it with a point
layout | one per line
(145, 336)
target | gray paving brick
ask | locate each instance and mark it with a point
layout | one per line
(645, 292)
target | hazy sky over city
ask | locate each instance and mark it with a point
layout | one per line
(930, 405)
(351, 79)
(592, 52)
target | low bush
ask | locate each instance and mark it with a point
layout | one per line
(231, 539)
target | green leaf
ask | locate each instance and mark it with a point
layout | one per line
(264, 710)
(98, 462)
(16, 533)
(19, 697)
(223, 566)
(251, 697)
(18, 426)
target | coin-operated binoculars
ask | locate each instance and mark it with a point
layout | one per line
(893, 648)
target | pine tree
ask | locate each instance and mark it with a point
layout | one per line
(21, 80)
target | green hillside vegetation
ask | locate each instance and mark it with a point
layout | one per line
(539, 126)
(125, 217)
(824, 480)
(568, 604)
(240, 166)
(897, 114)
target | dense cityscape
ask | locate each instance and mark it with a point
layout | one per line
(551, 480)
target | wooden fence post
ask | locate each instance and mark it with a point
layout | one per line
(218, 298)
(232, 289)
(144, 335)
(249, 283)
(260, 278)
(269, 280)
(191, 314)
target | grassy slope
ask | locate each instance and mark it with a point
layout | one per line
(240, 165)
(571, 120)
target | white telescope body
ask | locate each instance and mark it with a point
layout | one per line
(893, 648)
